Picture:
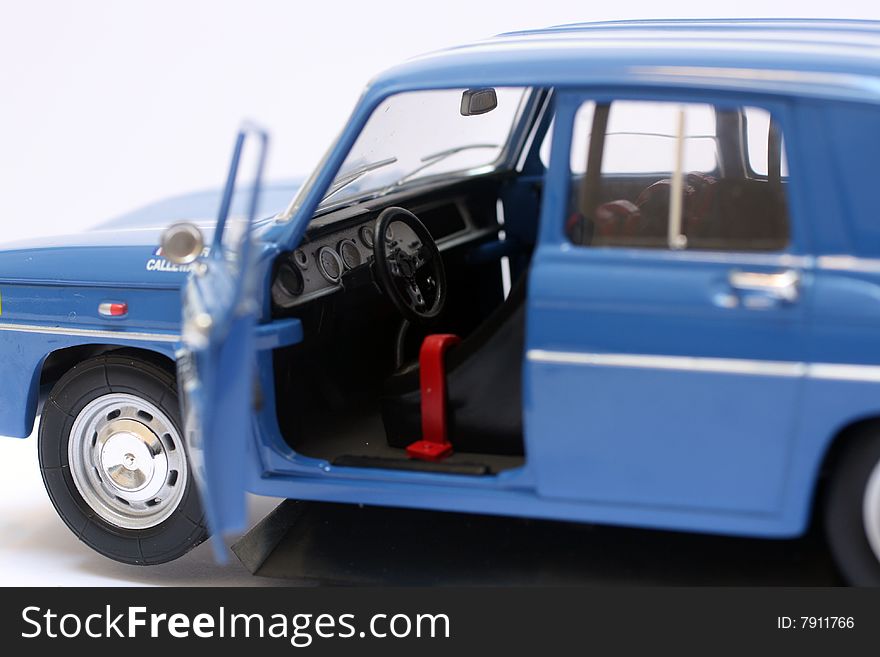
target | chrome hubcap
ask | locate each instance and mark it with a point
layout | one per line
(871, 510)
(127, 461)
(132, 457)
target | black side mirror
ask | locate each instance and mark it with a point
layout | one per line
(478, 101)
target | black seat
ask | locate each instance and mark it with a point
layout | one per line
(484, 383)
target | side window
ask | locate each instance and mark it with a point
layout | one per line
(680, 176)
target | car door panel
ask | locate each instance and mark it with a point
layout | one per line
(661, 377)
(216, 362)
(648, 383)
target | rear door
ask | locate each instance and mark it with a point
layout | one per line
(216, 362)
(666, 327)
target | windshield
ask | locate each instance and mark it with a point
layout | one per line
(423, 133)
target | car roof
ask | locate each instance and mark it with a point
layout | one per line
(810, 57)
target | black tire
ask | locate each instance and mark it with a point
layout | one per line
(843, 509)
(184, 529)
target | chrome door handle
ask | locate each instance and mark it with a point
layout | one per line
(781, 286)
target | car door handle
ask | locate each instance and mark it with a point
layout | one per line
(779, 286)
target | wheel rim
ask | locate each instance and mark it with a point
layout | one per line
(127, 461)
(871, 510)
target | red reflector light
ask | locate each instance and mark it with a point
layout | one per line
(113, 309)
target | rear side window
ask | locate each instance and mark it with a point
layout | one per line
(678, 176)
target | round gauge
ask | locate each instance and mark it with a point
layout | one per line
(366, 235)
(290, 279)
(389, 234)
(301, 259)
(349, 253)
(330, 264)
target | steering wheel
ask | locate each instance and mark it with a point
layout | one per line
(409, 270)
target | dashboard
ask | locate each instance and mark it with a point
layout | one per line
(338, 246)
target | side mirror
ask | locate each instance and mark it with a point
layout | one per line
(182, 243)
(478, 101)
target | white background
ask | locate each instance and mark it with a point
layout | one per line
(105, 106)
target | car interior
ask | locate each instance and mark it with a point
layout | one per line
(729, 208)
(356, 381)
(370, 284)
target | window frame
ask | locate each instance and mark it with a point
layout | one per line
(747, 160)
(555, 207)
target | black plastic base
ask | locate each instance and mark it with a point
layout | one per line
(310, 542)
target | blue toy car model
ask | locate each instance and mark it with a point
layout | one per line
(620, 273)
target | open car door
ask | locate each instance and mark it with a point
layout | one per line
(216, 361)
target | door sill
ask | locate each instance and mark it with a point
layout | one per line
(411, 465)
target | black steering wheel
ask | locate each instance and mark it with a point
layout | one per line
(409, 269)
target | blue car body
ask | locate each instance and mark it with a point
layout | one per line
(645, 402)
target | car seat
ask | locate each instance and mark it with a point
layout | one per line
(484, 386)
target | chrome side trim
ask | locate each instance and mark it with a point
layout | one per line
(686, 363)
(91, 333)
(824, 371)
(843, 372)
(849, 263)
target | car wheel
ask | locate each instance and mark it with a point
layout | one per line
(852, 510)
(114, 463)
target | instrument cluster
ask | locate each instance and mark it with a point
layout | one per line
(316, 268)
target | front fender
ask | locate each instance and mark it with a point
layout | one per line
(24, 350)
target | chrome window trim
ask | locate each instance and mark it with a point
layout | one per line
(137, 336)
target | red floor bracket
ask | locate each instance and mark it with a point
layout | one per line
(434, 444)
